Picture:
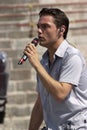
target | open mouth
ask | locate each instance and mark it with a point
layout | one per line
(41, 39)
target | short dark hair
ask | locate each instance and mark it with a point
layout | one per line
(59, 16)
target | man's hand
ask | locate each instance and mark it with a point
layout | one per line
(32, 55)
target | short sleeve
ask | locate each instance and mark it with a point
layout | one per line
(71, 70)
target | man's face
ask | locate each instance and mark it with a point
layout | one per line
(47, 31)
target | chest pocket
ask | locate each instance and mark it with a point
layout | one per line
(58, 64)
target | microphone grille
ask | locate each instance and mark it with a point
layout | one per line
(35, 41)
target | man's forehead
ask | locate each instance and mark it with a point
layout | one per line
(46, 19)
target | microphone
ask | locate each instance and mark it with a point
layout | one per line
(24, 57)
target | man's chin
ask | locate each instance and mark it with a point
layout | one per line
(42, 43)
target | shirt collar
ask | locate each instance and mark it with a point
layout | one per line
(62, 49)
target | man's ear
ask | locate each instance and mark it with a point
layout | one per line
(62, 28)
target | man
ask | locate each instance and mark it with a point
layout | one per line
(61, 76)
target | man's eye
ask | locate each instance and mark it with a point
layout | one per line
(44, 26)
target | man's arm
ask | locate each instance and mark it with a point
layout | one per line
(37, 115)
(59, 90)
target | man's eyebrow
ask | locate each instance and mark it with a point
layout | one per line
(42, 24)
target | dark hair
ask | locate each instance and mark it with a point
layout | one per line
(59, 16)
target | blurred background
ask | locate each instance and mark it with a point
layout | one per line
(18, 20)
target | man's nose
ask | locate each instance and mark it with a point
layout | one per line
(39, 30)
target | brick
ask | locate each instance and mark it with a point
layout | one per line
(21, 97)
(20, 74)
(14, 34)
(24, 85)
(18, 110)
(16, 123)
(5, 44)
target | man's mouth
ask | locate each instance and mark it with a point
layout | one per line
(41, 39)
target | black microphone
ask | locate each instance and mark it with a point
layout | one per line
(24, 57)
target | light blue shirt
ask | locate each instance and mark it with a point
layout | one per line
(68, 66)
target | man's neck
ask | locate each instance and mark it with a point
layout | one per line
(53, 49)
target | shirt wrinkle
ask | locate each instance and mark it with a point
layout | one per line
(64, 71)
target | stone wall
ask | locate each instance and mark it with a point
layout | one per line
(17, 1)
(16, 27)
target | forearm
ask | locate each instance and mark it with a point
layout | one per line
(36, 116)
(57, 89)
